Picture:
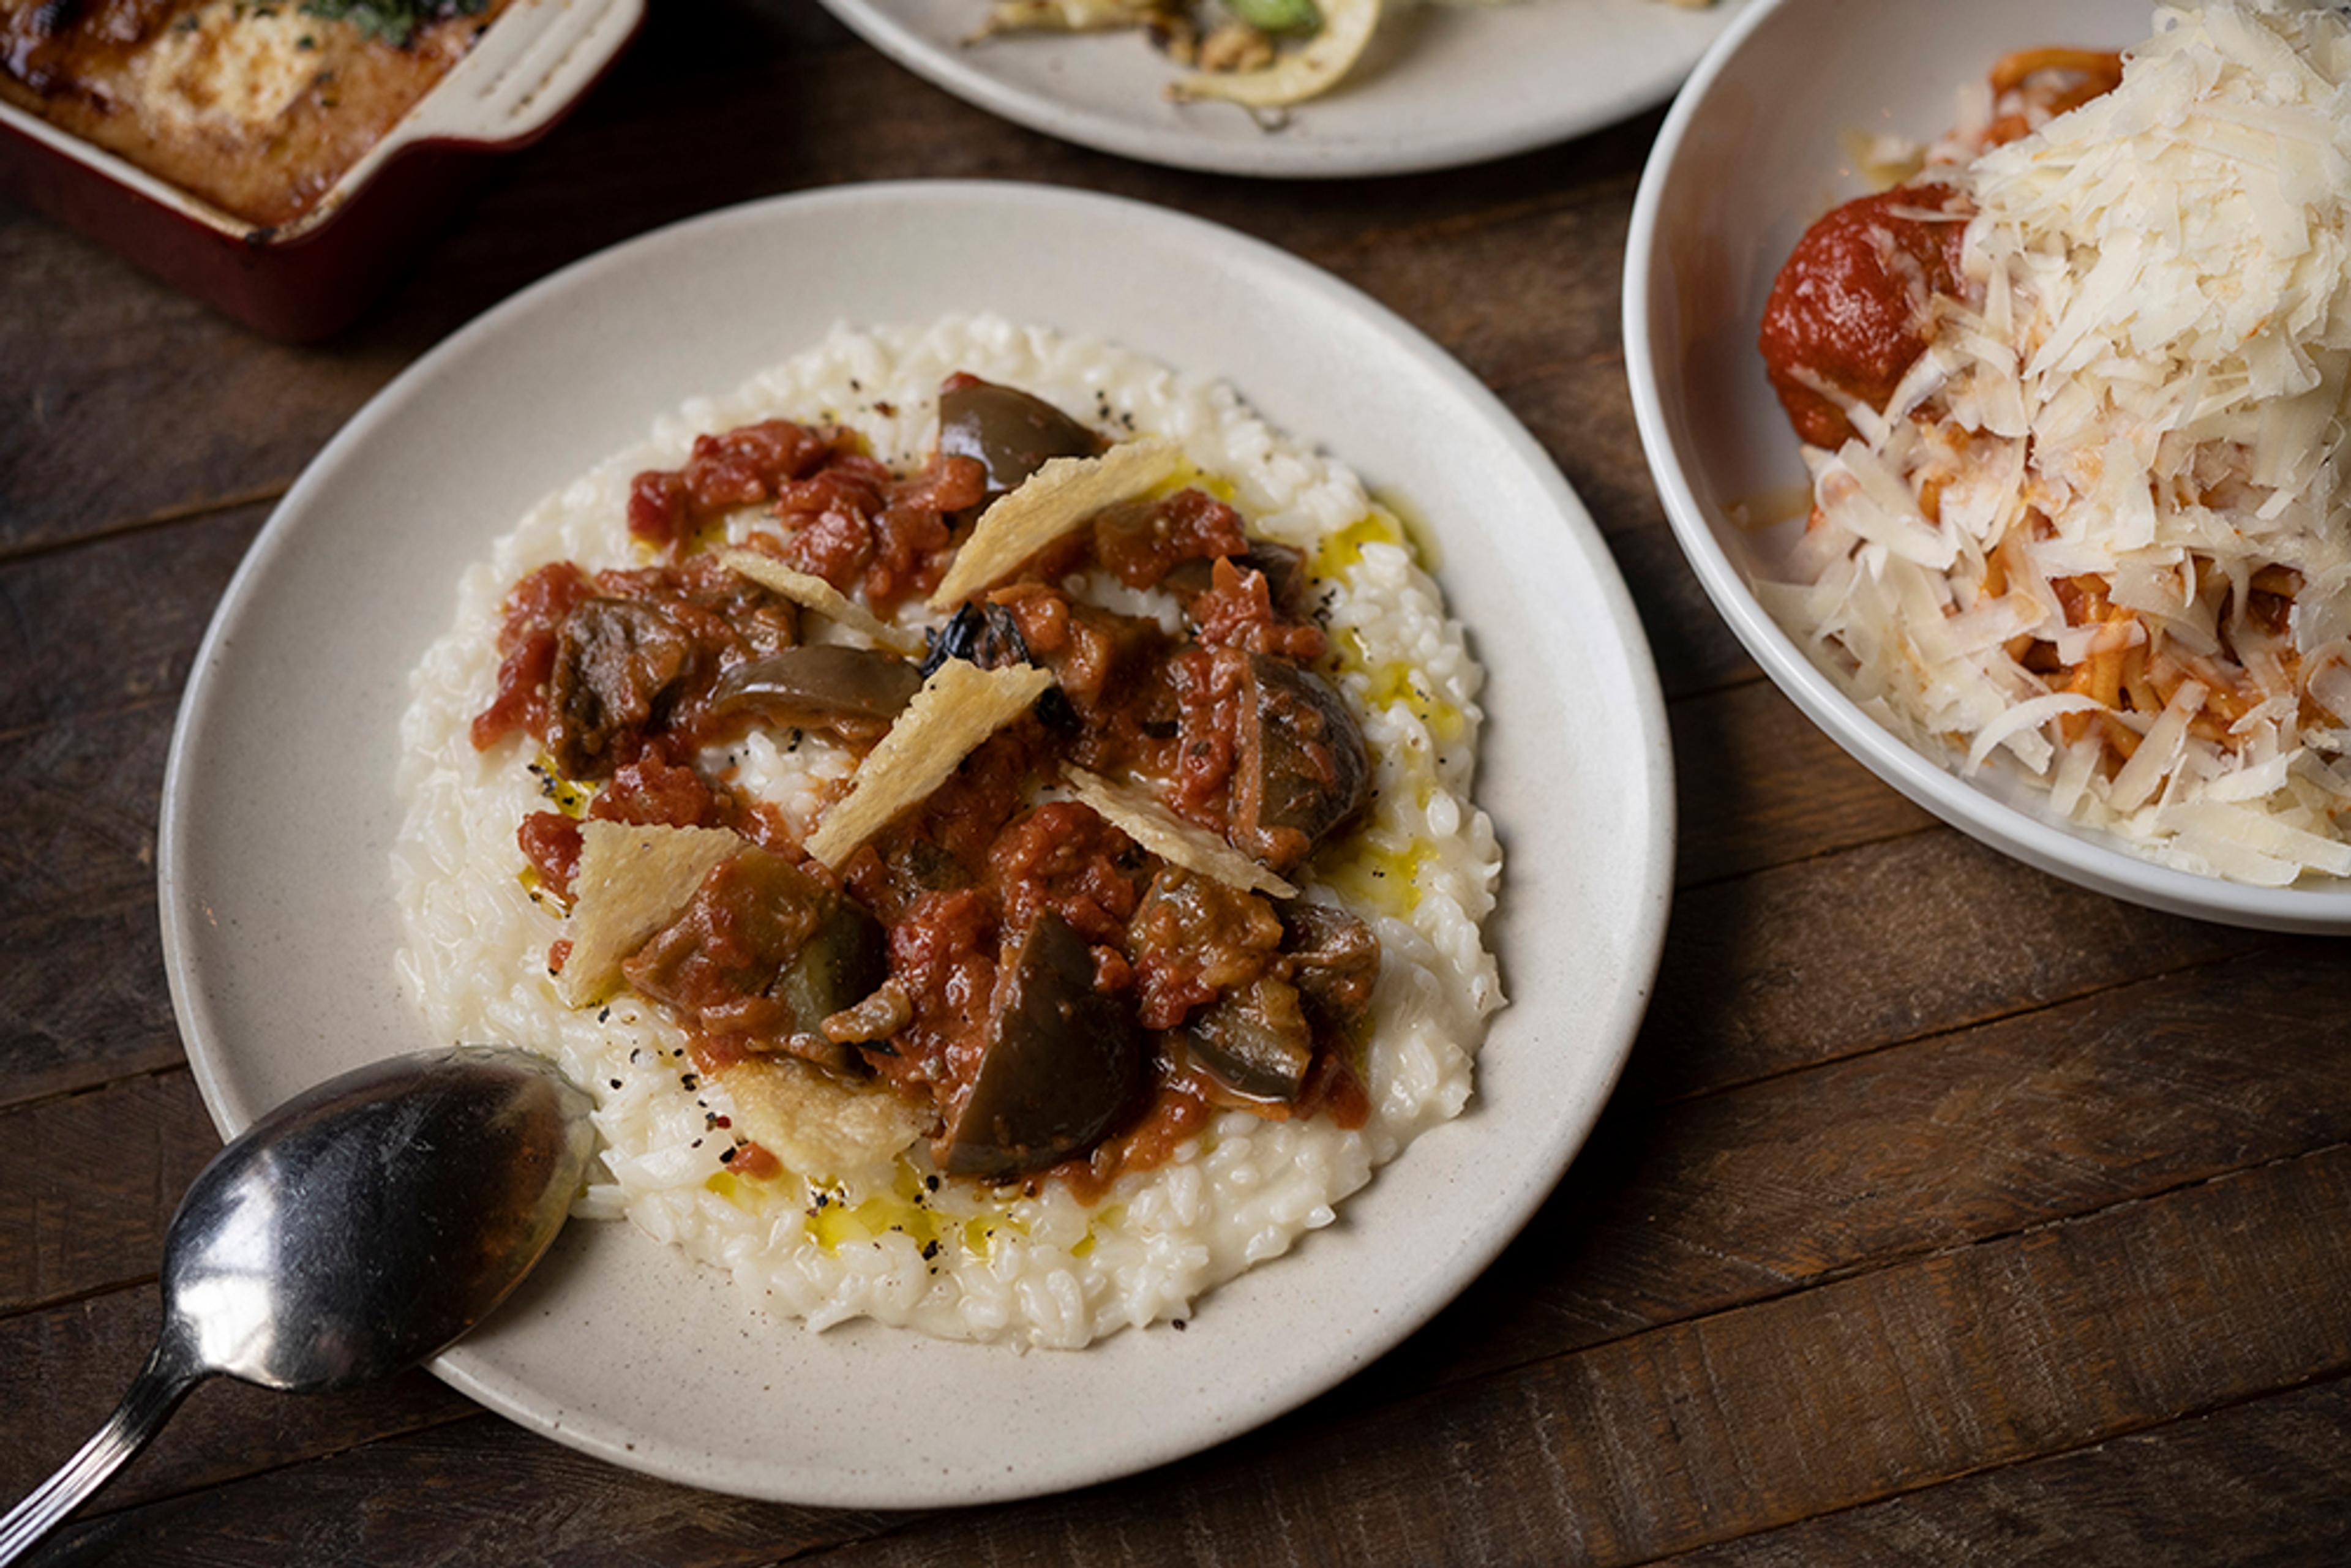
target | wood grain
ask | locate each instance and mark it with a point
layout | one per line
(1665, 1441)
(114, 624)
(1947, 1213)
(1759, 979)
(1769, 1189)
(1709, 1430)
(1695, 649)
(1727, 1200)
(62, 1368)
(82, 999)
(1756, 785)
(225, 417)
(1844, 953)
(92, 1181)
(472, 1492)
(2260, 1485)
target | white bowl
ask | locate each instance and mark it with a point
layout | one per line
(1751, 154)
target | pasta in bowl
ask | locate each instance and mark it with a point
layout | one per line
(2066, 561)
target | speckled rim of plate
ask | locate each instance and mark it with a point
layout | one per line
(279, 815)
(1543, 72)
(1720, 109)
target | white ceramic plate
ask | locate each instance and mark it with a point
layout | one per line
(1750, 155)
(1441, 85)
(278, 819)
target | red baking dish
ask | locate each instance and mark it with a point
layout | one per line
(304, 280)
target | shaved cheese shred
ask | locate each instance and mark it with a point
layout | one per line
(2129, 449)
(815, 593)
(1143, 819)
(631, 882)
(1053, 501)
(959, 707)
(2024, 718)
(2158, 750)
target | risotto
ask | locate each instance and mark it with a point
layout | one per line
(888, 1163)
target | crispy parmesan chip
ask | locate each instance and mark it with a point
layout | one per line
(817, 1125)
(1049, 503)
(1302, 74)
(1140, 817)
(631, 882)
(815, 593)
(959, 707)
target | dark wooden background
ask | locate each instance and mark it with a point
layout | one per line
(1947, 1213)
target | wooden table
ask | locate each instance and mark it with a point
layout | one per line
(1947, 1213)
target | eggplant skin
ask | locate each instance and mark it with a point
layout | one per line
(1256, 1041)
(1011, 434)
(982, 634)
(821, 685)
(1333, 960)
(1283, 568)
(618, 665)
(987, 635)
(766, 952)
(1302, 771)
(1064, 1063)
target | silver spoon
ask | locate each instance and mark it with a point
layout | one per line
(350, 1233)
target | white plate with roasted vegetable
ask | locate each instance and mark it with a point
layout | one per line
(322, 912)
(1301, 89)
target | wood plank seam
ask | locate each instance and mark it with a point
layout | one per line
(1502, 386)
(37, 1102)
(1699, 694)
(1487, 220)
(99, 1507)
(1987, 1020)
(2121, 1430)
(1809, 856)
(2185, 1417)
(170, 516)
(825, 1549)
(1453, 1387)
(94, 714)
(86, 1293)
(1838, 1274)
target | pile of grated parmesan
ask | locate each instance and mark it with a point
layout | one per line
(2155, 393)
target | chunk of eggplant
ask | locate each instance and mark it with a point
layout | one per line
(765, 951)
(823, 685)
(1332, 957)
(989, 636)
(1301, 771)
(1010, 432)
(982, 634)
(1255, 1041)
(1062, 1064)
(1283, 568)
(618, 663)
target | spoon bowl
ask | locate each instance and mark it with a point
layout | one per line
(350, 1233)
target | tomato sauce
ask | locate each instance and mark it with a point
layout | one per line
(982, 864)
(1851, 310)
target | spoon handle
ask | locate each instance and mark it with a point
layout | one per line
(154, 1394)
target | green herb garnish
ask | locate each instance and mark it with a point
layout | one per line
(394, 21)
(1277, 16)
